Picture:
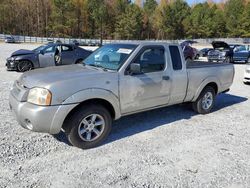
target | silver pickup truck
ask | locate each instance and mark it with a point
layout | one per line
(115, 81)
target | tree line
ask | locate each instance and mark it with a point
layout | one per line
(123, 19)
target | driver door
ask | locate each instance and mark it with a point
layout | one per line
(47, 58)
(150, 88)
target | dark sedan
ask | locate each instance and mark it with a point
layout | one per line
(204, 51)
(47, 55)
(229, 53)
(10, 40)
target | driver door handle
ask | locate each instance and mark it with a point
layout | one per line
(165, 77)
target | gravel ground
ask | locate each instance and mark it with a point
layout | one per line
(168, 147)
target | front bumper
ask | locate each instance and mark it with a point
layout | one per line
(48, 119)
(11, 65)
(216, 58)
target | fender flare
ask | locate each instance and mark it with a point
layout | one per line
(204, 83)
(95, 93)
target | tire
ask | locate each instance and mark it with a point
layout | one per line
(206, 96)
(81, 125)
(24, 66)
(228, 60)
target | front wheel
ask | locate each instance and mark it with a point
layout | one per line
(89, 126)
(205, 101)
(24, 66)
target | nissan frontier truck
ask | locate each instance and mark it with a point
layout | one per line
(114, 81)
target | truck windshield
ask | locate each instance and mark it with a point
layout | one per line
(110, 56)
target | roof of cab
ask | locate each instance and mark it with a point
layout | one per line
(145, 42)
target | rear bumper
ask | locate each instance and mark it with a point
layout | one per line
(246, 77)
(48, 119)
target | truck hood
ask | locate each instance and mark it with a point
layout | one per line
(65, 81)
(48, 76)
(22, 52)
(220, 44)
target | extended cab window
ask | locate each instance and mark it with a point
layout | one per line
(240, 48)
(151, 59)
(175, 57)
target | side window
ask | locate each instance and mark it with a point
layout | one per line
(242, 48)
(151, 59)
(49, 49)
(67, 48)
(175, 57)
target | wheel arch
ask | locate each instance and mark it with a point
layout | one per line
(212, 82)
(95, 96)
(93, 101)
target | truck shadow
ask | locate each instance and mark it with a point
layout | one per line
(144, 121)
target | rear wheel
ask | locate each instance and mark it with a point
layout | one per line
(228, 60)
(89, 126)
(205, 101)
(24, 66)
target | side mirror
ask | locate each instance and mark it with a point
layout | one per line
(135, 68)
(42, 52)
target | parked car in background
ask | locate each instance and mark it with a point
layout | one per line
(76, 42)
(52, 54)
(196, 53)
(228, 53)
(246, 79)
(83, 100)
(188, 51)
(10, 39)
(203, 52)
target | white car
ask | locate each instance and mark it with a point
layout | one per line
(247, 74)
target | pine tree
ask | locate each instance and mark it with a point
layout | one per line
(130, 23)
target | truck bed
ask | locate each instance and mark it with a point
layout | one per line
(201, 64)
(199, 71)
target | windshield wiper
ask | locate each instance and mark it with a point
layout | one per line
(97, 66)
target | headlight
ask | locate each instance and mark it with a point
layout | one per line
(39, 96)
